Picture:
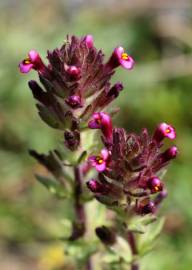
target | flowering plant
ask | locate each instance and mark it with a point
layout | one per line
(124, 175)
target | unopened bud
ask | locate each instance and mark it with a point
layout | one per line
(106, 235)
(73, 71)
(74, 102)
(155, 184)
(170, 153)
(115, 89)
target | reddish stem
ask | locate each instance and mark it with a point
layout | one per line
(134, 250)
(79, 226)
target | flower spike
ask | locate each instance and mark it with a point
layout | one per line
(100, 162)
(33, 61)
(120, 58)
(102, 121)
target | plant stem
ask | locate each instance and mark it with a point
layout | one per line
(79, 226)
(133, 246)
(89, 264)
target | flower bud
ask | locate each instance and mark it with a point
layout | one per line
(115, 89)
(106, 235)
(73, 71)
(146, 208)
(72, 139)
(154, 184)
(160, 197)
(169, 154)
(74, 102)
(97, 187)
(89, 41)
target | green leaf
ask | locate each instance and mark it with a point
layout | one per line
(51, 184)
(122, 249)
(106, 200)
(147, 240)
(162, 173)
(48, 117)
(81, 249)
(82, 157)
(139, 223)
(110, 258)
(119, 253)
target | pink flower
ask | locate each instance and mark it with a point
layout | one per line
(102, 121)
(164, 130)
(100, 162)
(89, 41)
(33, 61)
(120, 58)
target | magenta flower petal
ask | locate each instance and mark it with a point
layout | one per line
(33, 61)
(168, 131)
(25, 68)
(106, 126)
(94, 125)
(33, 55)
(127, 64)
(89, 41)
(125, 60)
(104, 154)
(93, 160)
(164, 130)
(101, 167)
(119, 51)
(100, 161)
(106, 119)
(96, 122)
(120, 57)
(102, 121)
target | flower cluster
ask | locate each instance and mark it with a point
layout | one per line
(75, 90)
(129, 166)
(74, 84)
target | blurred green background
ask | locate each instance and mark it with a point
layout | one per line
(158, 34)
